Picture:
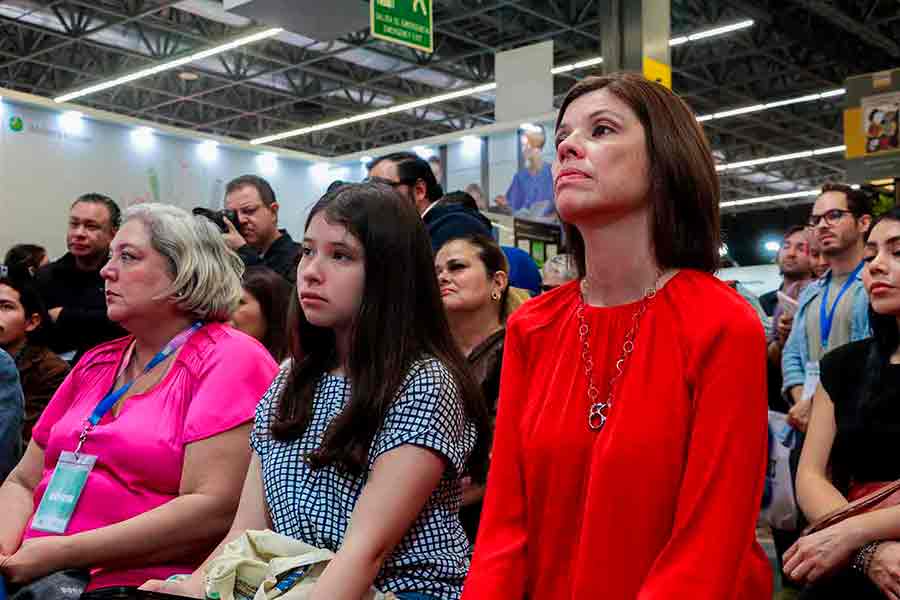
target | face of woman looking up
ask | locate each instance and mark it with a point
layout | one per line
(881, 276)
(463, 278)
(601, 163)
(331, 274)
(136, 276)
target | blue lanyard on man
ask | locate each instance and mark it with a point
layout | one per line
(826, 315)
(112, 398)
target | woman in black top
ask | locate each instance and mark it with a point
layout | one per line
(852, 446)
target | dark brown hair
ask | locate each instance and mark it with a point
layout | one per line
(859, 202)
(262, 187)
(273, 293)
(401, 320)
(494, 260)
(684, 187)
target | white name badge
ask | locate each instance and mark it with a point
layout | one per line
(62, 493)
(811, 382)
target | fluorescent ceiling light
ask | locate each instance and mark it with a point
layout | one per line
(770, 105)
(760, 199)
(583, 64)
(708, 33)
(780, 158)
(480, 89)
(382, 112)
(172, 64)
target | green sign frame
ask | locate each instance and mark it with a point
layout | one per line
(406, 22)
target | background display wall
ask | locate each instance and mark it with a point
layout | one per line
(47, 160)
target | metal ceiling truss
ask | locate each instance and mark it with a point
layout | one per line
(797, 47)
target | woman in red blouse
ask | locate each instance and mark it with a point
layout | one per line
(630, 447)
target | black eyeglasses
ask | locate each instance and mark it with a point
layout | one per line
(388, 182)
(832, 217)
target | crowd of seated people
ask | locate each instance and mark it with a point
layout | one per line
(444, 416)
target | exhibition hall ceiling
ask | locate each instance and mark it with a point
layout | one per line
(794, 50)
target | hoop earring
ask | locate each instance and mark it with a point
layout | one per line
(495, 296)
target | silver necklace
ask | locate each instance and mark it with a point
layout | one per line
(599, 411)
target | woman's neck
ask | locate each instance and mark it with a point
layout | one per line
(621, 265)
(470, 328)
(152, 337)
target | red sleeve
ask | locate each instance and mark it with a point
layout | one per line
(498, 566)
(712, 542)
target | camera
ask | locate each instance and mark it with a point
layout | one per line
(218, 217)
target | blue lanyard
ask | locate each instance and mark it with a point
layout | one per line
(111, 398)
(826, 316)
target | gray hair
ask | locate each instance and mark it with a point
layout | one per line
(206, 273)
(561, 264)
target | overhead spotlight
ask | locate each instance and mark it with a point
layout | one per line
(72, 122)
(268, 163)
(365, 159)
(208, 150)
(771, 246)
(142, 137)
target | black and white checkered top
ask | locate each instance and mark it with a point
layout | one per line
(315, 505)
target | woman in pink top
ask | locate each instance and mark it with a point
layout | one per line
(172, 452)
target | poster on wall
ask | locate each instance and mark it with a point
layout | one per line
(881, 122)
(530, 193)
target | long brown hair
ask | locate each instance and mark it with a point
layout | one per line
(684, 187)
(401, 319)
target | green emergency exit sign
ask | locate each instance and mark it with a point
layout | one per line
(406, 22)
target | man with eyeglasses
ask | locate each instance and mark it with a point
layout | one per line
(832, 311)
(413, 179)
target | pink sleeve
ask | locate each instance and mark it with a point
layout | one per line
(231, 381)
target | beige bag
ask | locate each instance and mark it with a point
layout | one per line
(263, 565)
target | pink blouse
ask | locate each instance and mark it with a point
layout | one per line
(213, 386)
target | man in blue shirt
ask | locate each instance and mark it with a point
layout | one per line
(832, 311)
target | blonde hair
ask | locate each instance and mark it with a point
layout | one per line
(206, 273)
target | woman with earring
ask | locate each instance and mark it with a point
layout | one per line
(629, 451)
(474, 278)
(850, 447)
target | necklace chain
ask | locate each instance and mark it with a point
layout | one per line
(599, 411)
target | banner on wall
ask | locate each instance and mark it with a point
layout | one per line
(881, 121)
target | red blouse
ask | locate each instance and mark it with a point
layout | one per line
(663, 502)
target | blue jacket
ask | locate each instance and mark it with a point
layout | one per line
(12, 410)
(796, 349)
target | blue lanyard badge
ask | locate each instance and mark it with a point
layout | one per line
(826, 315)
(110, 399)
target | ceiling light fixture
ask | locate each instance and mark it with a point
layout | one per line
(382, 112)
(708, 33)
(770, 105)
(780, 158)
(761, 199)
(172, 64)
(479, 89)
